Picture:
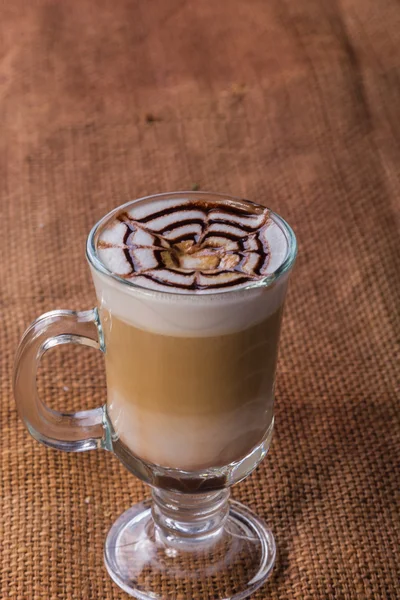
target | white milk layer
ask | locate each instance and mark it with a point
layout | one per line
(188, 315)
(190, 443)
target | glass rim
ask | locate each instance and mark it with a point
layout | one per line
(267, 281)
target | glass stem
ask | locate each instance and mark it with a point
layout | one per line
(189, 520)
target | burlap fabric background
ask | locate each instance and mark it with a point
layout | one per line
(292, 104)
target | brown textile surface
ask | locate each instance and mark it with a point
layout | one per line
(294, 104)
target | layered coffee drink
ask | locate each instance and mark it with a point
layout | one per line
(191, 319)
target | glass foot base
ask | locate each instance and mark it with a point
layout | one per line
(232, 563)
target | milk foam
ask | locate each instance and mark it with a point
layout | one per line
(243, 244)
(192, 246)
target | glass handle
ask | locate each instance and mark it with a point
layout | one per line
(72, 432)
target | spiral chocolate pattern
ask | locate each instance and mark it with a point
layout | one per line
(191, 246)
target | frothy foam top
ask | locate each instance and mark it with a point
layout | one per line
(192, 246)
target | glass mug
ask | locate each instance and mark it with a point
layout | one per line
(189, 410)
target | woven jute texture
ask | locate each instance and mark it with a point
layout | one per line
(294, 104)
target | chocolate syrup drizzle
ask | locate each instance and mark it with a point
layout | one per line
(211, 217)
